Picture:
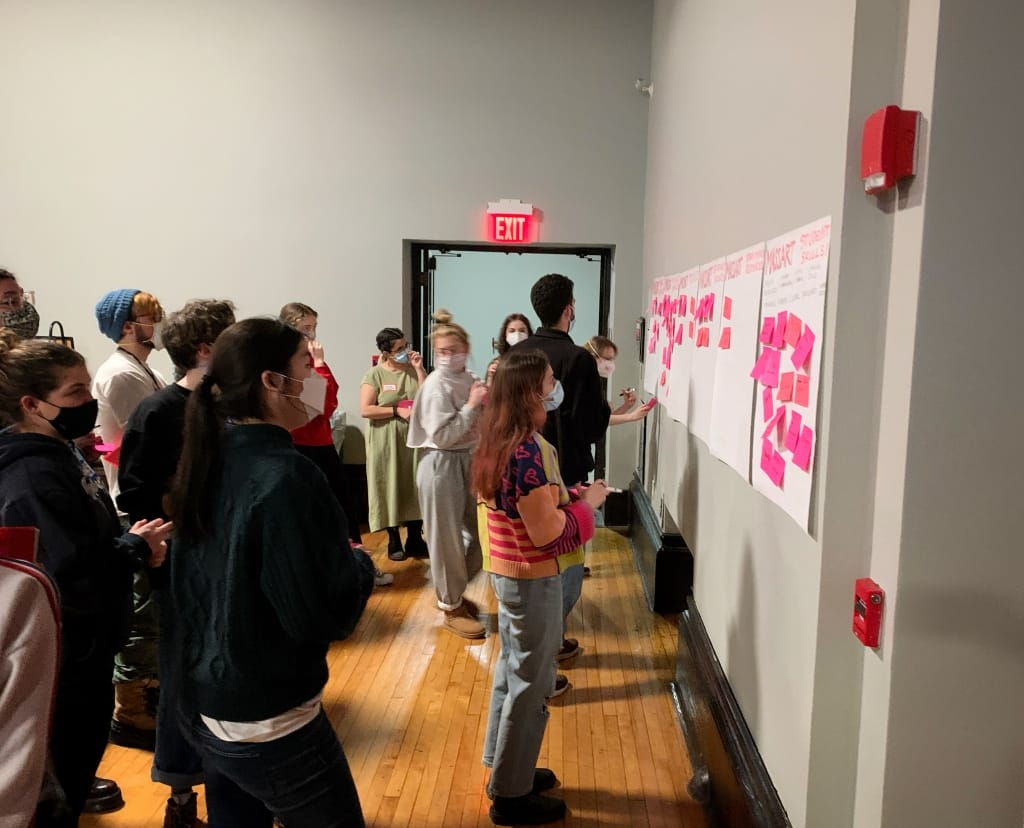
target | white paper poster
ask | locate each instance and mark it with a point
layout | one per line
(702, 369)
(732, 404)
(788, 367)
(656, 337)
(685, 286)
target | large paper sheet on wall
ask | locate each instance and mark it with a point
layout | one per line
(732, 403)
(677, 402)
(702, 369)
(654, 371)
(788, 367)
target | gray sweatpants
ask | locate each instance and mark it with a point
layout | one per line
(449, 522)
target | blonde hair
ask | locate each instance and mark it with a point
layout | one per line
(294, 312)
(443, 326)
(146, 304)
(596, 344)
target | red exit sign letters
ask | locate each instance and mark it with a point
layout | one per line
(510, 220)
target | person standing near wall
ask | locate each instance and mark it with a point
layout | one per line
(385, 399)
(605, 352)
(530, 527)
(132, 319)
(578, 413)
(149, 456)
(443, 429)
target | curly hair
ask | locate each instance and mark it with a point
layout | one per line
(199, 323)
(550, 296)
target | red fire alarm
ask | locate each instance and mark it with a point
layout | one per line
(889, 148)
(868, 598)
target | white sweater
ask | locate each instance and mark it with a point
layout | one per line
(440, 418)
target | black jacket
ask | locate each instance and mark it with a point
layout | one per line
(81, 546)
(583, 416)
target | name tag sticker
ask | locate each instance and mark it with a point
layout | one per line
(389, 386)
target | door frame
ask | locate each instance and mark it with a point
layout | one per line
(418, 286)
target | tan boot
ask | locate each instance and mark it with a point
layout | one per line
(134, 722)
(461, 622)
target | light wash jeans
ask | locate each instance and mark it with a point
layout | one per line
(572, 588)
(530, 630)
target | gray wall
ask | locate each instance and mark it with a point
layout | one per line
(267, 151)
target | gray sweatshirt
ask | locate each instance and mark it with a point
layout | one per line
(440, 418)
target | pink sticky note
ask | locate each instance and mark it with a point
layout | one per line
(679, 335)
(793, 432)
(668, 358)
(727, 308)
(770, 377)
(802, 394)
(767, 330)
(767, 453)
(775, 424)
(652, 343)
(793, 329)
(767, 405)
(682, 305)
(803, 348)
(779, 337)
(786, 387)
(707, 337)
(664, 378)
(802, 455)
(758, 368)
(777, 469)
(693, 304)
(725, 339)
(690, 332)
(711, 305)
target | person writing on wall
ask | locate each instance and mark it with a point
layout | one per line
(605, 351)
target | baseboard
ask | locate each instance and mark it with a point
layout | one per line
(662, 558)
(729, 775)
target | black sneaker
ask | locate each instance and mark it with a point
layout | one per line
(532, 809)
(415, 546)
(395, 551)
(131, 737)
(570, 649)
(181, 815)
(544, 779)
(104, 796)
(561, 685)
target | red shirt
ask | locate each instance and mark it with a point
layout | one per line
(317, 432)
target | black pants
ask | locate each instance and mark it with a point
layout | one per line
(81, 723)
(330, 464)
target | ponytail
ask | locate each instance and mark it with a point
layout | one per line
(191, 498)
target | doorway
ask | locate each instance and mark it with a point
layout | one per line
(482, 283)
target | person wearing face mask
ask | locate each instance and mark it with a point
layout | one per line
(45, 404)
(605, 351)
(531, 527)
(150, 450)
(578, 412)
(314, 440)
(131, 318)
(16, 312)
(443, 428)
(263, 579)
(385, 400)
(515, 329)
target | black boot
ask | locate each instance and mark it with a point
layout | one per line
(104, 796)
(415, 546)
(180, 814)
(395, 551)
(532, 809)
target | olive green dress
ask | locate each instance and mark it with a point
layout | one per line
(390, 463)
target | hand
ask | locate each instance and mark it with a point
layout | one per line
(477, 395)
(415, 360)
(405, 412)
(155, 533)
(595, 494)
(316, 351)
(640, 413)
(628, 397)
(491, 369)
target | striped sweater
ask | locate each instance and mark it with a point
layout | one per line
(532, 528)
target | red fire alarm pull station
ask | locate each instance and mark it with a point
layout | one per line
(868, 599)
(889, 148)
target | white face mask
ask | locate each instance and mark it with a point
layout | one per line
(553, 400)
(606, 367)
(456, 363)
(516, 337)
(156, 340)
(313, 396)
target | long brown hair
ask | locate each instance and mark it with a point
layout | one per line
(32, 368)
(510, 417)
(501, 344)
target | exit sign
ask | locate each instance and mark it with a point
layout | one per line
(510, 221)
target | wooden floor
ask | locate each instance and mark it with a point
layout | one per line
(409, 701)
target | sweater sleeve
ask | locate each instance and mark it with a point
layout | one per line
(314, 580)
(331, 396)
(438, 419)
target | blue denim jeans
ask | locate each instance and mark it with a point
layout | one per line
(572, 588)
(530, 630)
(302, 778)
(176, 761)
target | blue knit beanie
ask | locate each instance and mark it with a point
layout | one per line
(113, 310)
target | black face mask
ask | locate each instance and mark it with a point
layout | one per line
(75, 421)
